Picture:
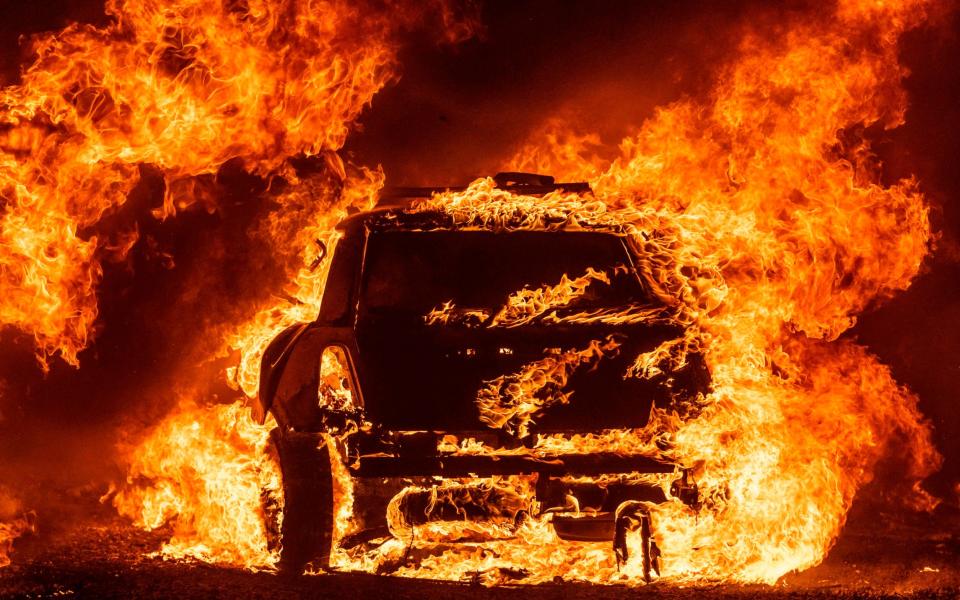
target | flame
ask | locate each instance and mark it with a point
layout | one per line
(208, 470)
(185, 86)
(757, 216)
(510, 402)
(789, 235)
(480, 510)
(309, 270)
(521, 307)
(10, 531)
(562, 150)
(14, 522)
(777, 233)
(335, 380)
(765, 232)
(526, 305)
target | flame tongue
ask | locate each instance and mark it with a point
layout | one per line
(763, 229)
(185, 86)
(510, 402)
(777, 233)
(803, 237)
(208, 467)
(14, 522)
(766, 236)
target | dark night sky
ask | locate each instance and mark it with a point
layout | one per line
(456, 113)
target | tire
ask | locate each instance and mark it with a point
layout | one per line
(306, 535)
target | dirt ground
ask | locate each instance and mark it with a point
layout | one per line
(102, 556)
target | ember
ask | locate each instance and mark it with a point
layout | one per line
(639, 367)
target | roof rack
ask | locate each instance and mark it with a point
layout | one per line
(531, 184)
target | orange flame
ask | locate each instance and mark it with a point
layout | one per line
(778, 233)
(14, 522)
(758, 217)
(184, 85)
(510, 402)
(785, 225)
(772, 233)
(207, 469)
(525, 305)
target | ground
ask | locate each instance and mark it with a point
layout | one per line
(103, 556)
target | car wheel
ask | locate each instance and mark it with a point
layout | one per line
(306, 535)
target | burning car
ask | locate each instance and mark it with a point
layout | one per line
(449, 369)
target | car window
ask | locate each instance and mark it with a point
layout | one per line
(340, 282)
(417, 271)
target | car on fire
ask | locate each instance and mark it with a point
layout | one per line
(444, 357)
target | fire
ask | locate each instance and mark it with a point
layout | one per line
(523, 306)
(495, 502)
(510, 402)
(208, 470)
(527, 304)
(184, 86)
(14, 522)
(309, 271)
(781, 234)
(757, 215)
(788, 235)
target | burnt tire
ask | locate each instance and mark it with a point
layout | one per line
(306, 535)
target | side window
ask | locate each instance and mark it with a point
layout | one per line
(404, 271)
(338, 293)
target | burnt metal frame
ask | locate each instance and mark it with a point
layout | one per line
(425, 462)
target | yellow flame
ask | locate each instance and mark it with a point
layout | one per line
(185, 86)
(757, 216)
(14, 522)
(511, 402)
(207, 470)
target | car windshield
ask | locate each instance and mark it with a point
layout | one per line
(417, 271)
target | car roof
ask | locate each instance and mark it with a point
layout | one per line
(398, 210)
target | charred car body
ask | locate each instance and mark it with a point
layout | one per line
(432, 338)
